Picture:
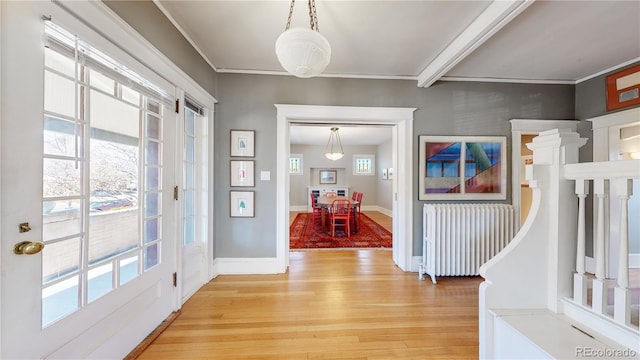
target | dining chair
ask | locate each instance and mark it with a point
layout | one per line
(340, 216)
(356, 209)
(354, 196)
(316, 208)
(331, 194)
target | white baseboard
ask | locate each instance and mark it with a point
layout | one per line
(634, 261)
(247, 266)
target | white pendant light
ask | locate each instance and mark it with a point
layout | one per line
(303, 52)
(334, 146)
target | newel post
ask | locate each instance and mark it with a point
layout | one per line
(556, 148)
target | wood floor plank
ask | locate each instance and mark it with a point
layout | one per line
(332, 304)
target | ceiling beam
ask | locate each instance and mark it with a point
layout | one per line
(492, 19)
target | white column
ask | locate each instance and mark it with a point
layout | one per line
(599, 303)
(579, 278)
(622, 296)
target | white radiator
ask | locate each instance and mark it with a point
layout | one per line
(459, 238)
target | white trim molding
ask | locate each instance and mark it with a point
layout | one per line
(402, 121)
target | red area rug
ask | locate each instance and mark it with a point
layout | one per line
(304, 233)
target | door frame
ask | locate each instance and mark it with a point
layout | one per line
(401, 120)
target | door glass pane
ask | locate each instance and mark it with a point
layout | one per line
(60, 259)
(153, 153)
(152, 204)
(151, 230)
(60, 219)
(59, 300)
(59, 94)
(59, 62)
(153, 127)
(152, 178)
(60, 178)
(100, 281)
(190, 149)
(61, 137)
(102, 82)
(190, 172)
(128, 268)
(151, 256)
(130, 95)
(188, 231)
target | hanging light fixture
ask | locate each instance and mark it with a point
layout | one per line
(303, 52)
(334, 146)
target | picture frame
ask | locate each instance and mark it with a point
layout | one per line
(242, 143)
(242, 173)
(390, 173)
(623, 88)
(384, 174)
(328, 176)
(462, 168)
(241, 204)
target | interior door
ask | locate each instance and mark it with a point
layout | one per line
(84, 170)
(193, 198)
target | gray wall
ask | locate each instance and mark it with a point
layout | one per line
(384, 192)
(145, 17)
(314, 159)
(447, 108)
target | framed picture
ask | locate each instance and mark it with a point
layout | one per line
(385, 175)
(241, 204)
(462, 168)
(328, 176)
(243, 143)
(242, 173)
(623, 88)
(390, 173)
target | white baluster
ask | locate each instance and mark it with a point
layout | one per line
(579, 279)
(599, 303)
(622, 299)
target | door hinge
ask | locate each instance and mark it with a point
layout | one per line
(175, 279)
(177, 106)
(175, 192)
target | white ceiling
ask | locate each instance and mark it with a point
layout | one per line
(528, 41)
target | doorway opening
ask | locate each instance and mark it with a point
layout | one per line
(401, 122)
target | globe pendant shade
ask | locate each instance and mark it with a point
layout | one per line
(303, 52)
(334, 156)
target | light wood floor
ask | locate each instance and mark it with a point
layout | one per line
(332, 304)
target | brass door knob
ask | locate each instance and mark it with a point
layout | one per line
(28, 247)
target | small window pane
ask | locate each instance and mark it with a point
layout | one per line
(153, 106)
(152, 178)
(152, 204)
(60, 178)
(130, 95)
(151, 256)
(190, 126)
(60, 259)
(59, 300)
(189, 203)
(189, 231)
(153, 153)
(190, 149)
(151, 230)
(59, 94)
(100, 281)
(112, 233)
(153, 127)
(190, 181)
(102, 82)
(128, 269)
(59, 62)
(60, 219)
(61, 137)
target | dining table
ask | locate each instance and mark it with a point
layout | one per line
(325, 203)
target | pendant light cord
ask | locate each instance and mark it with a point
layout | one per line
(313, 17)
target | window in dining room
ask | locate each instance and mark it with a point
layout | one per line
(363, 164)
(295, 164)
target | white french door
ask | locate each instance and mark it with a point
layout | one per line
(88, 162)
(193, 200)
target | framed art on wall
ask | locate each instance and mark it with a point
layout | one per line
(241, 203)
(242, 173)
(328, 176)
(243, 143)
(623, 88)
(462, 168)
